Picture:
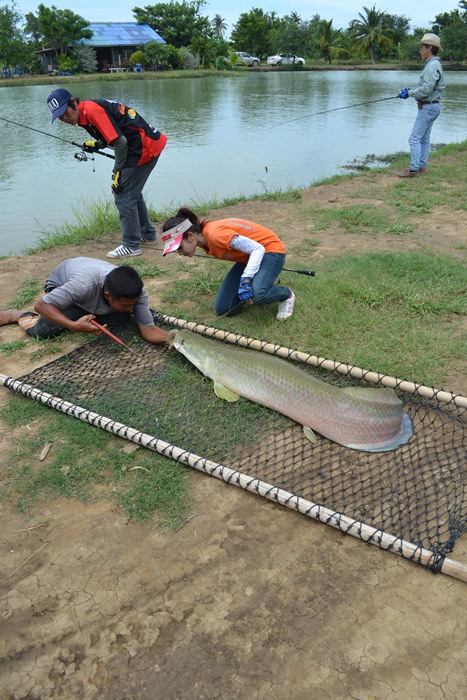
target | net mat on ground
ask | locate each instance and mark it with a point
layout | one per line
(416, 493)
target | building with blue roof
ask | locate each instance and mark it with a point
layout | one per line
(113, 42)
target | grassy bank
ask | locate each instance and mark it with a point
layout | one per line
(92, 221)
(60, 80)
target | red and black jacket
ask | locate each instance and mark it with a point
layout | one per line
(106, 120)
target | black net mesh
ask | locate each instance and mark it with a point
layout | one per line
(416, 492)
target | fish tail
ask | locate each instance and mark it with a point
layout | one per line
(403, 436)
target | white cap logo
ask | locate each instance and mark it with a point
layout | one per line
(53, 104)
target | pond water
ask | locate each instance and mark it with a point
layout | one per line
(228, 136)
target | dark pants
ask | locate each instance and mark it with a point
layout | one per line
(135, 221)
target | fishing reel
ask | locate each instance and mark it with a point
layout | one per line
(82, 157)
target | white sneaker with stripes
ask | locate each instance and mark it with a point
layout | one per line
(122, 251)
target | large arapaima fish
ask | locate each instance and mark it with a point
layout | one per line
(361, 418)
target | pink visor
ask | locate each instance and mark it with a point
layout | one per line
(174, 236)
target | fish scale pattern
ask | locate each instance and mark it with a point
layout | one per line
(417, 492)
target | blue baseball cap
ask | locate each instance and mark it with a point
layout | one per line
(57, 102)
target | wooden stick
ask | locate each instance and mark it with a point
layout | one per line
(32, 555)
(32, 527)
(316, 361)
(45, 451)
(349, 526)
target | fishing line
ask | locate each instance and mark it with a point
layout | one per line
(59, 138)
(336, 109)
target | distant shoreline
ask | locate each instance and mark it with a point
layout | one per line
(29, 80)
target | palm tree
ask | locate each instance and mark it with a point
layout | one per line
(369, 32)
(295, 17)
(327, 39)
(220, 26)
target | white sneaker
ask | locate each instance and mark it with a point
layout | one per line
(122, 251)
(285, 309)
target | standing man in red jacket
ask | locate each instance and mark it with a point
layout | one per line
(137, 146)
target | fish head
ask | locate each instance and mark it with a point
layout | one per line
(194, 348)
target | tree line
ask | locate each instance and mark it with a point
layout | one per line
(193, 39)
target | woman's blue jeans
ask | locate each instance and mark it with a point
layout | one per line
(227, 301)
(419, 139)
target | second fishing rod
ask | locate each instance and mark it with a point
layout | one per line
(334, 109)
(309, 273)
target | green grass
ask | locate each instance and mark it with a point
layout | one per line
(26, 294)
(90, 221)
(45, 348)
(202, 283)
(354, 219)
(401, 282)
(111, 77)
(84, 462)
(310, 242)
(144, 268)
(12, 346)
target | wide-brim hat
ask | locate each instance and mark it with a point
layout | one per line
(58, 101)
(174, 236)
(431, 40)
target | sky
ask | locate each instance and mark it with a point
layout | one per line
(420, 12)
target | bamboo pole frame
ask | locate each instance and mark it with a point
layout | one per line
(341, 522)
(316, 361)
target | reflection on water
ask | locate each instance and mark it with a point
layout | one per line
(222, 133)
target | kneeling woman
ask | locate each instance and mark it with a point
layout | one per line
(258, 254)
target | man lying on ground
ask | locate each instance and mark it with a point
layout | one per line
(79, 290)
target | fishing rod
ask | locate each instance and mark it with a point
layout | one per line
(336, 109)
(310, 273)
(82, 156)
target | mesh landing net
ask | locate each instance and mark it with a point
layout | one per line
(416, 492)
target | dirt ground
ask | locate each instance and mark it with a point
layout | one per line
(248, 600)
